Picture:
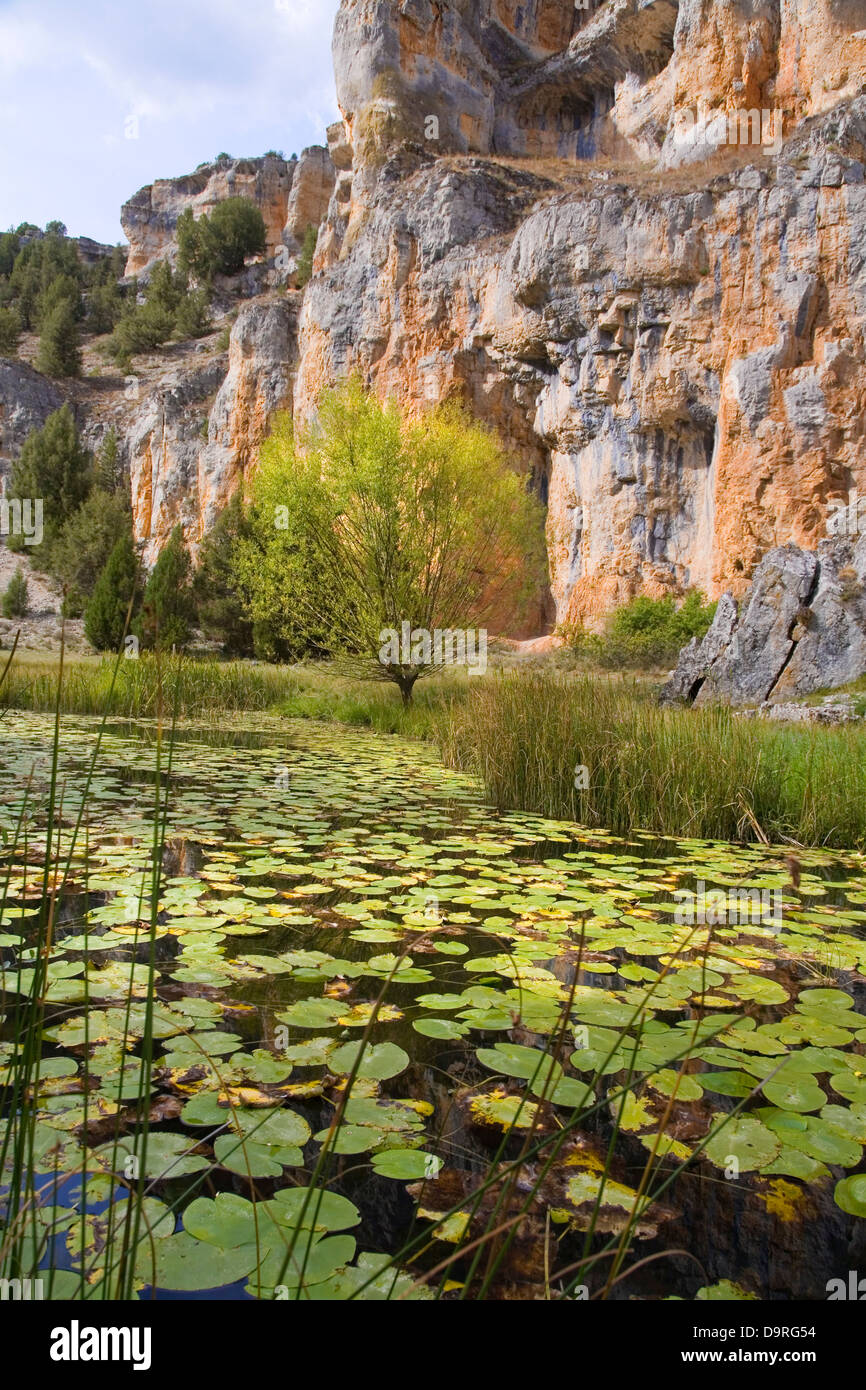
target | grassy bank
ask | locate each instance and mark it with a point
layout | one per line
(204, 689)
(191, 689)
(524, 732)
(701, 773)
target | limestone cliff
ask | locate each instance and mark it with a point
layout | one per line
(631, 234)
(668, 329)
(290, 194)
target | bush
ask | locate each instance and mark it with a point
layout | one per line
(220, 243)
(15, 597)
(58, 345)
(10, 332)
(304, 272)
(646, 633)
(107, 614)
(170, 309)
(167, 606)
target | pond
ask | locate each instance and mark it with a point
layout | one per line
(407, 1047)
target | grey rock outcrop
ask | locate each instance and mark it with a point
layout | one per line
(26, 400)
(800, 629)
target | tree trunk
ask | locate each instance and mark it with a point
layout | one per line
(407, 685)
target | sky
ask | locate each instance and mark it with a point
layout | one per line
(99, 97)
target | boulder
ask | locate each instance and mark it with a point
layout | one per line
(800, 629)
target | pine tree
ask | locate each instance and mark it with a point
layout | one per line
(10, 332)
(58, 345)
(105, 618)
(82, 549)
(55, 468)
(167, 607)
(221, 613)
(108, 474)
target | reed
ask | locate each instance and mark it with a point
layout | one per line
(605, 754)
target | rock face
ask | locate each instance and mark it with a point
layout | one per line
(26, 401)
(802, 628)
(191, 442)
(677, 357)
(629, 234)
(291, 195)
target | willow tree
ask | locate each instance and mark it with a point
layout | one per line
(375, 534)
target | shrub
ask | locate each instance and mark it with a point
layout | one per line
(167, 605)
(646, 633)
(107, 614)
(304, 272)
(15, 596)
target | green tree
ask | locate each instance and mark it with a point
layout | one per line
(15, 596)
(221, 242)
(104, 308)
(167, 606)
(106, 617)
(170, 309)
(58, 345)
(10, 332)
(37, 265)
(82, 549)
(373, 519)
(55, 467)
(10, 245)
(304, 271)
(221, 612)
(59, 290)
(108, 474)
(192, 317)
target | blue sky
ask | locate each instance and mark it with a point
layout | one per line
(99, 97)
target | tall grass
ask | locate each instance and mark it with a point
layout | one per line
(196, 689)
(134, 689)
(708, 773)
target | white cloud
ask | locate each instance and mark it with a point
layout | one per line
(201, 76)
